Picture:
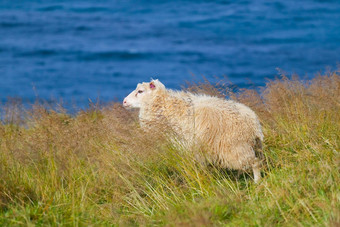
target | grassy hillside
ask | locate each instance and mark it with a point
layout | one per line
(98, 167)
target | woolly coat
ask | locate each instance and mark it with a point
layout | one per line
(229, 132)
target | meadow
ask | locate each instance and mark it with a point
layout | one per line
(98, 167)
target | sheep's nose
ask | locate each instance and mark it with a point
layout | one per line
(124, 102)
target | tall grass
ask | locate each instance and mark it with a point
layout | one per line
(99, 168)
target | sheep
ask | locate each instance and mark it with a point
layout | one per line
(230, 131)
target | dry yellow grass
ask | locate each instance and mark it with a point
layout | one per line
(99, 168)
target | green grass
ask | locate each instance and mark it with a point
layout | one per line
(99, 168)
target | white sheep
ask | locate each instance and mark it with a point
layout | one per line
(230, 131)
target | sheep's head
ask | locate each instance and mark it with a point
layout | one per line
(143, 92)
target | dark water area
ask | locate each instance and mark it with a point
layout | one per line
(76, 50)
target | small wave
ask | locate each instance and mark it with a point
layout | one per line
(134, 55)
(109, 55)
(37, 53)
(89, 9)
(86, 56)
(12, 24)
(51, 8)
(82, 28)
(272, 40)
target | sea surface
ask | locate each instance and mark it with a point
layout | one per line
(79, 50)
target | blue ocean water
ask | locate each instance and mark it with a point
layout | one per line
(75, 50)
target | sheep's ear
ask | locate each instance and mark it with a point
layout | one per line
(152, 85)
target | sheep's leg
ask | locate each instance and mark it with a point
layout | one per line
(258, 160)
(256, 170)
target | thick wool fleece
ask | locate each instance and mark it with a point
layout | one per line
(228, 131)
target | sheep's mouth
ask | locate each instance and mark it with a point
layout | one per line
(128, 106)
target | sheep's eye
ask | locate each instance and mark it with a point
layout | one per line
(140, 91)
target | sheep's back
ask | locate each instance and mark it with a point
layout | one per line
(224, 122)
